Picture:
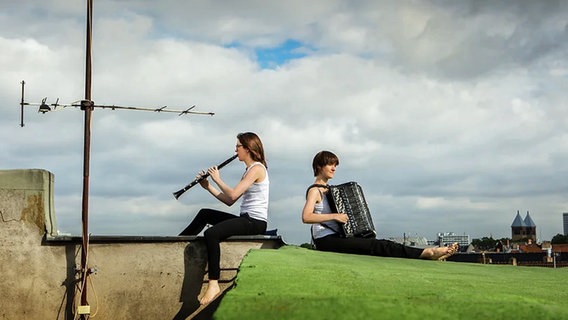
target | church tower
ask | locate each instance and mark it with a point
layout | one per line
(523, 228)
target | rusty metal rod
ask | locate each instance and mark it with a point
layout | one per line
(86, 105)
(22, 105)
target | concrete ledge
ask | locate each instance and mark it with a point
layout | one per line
(61, 239)
(133, 277)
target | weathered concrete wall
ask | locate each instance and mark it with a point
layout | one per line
(136, 277)
(27, 195)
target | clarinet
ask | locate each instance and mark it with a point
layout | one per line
(178, 193)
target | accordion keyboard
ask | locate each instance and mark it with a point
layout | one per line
(349, 199)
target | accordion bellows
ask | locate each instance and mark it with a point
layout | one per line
(348, 198)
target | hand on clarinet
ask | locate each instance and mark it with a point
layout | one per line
(203, 183)
(214, 173)
(341, 218)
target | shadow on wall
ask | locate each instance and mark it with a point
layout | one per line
(195, 263)
(70, 283)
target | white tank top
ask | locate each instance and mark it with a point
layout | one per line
(255, 199)
(318, 230)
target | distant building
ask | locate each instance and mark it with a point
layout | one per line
(447, 238)
(413, 241)
(523, 228)
(565, 220)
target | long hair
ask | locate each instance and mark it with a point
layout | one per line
(252, 143)
(322, 159)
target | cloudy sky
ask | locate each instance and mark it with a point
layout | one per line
(451, 115)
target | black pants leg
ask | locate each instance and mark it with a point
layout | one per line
(365, 246)
(203, 218)
(213, 236)
(224, 225)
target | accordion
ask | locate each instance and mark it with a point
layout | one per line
(348, 198)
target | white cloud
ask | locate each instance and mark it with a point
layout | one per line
(451, 117)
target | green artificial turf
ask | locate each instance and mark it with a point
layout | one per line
(297, 283)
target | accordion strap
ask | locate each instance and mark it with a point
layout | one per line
(316, 185)
(323, 224)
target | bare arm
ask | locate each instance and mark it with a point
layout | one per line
(308, 215)
(229, 195)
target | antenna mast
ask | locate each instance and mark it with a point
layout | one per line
(87, 106)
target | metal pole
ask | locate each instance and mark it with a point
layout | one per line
(87, 106)
(22, 105)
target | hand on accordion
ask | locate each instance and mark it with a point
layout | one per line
(342, 218)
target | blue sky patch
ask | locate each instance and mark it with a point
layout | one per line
(270, 58)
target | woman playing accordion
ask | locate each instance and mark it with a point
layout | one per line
(327, 225)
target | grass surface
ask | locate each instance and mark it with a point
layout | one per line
(297, 283)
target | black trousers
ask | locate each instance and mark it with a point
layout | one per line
(224, 225)
(366, 246)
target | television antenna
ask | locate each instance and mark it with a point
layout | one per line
(87, 105)
(44, 107)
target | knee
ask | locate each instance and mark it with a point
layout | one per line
(211, 233)
(201, 213)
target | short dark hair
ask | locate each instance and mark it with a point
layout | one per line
(322, 159)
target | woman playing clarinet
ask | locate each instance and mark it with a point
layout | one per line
(326, 225)
(253, 188)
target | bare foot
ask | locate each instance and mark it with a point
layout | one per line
(211, 293)
(451, 250)
(439, 253)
